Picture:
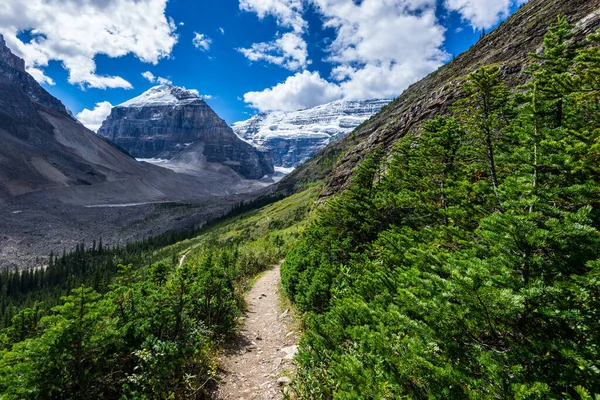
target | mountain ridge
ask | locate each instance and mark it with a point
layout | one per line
(295, 136)
(508, 46)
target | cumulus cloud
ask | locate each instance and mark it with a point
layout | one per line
(289, 51)
(39, 76)
(201, 41)
(482, 14)
(163, 81)
(197, 93)
(302, 90)
(92, 119)
(380, 48)
(288, 13)
(76, 31)
(149, 76)
(156, 79)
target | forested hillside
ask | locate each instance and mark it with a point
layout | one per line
(466, 264)
(147, 329)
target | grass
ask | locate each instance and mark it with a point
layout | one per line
(284, 219)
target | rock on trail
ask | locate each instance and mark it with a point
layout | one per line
(258, 364)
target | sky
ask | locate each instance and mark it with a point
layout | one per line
(242, 56)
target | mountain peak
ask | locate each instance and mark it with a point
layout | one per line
(164, 95)
(8, 57)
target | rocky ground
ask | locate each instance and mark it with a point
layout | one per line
(29, 231)
(260, 362)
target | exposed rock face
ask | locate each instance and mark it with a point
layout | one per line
(507, 46)
(60, 183)
(33, 155)
(294, 137)
(9, 58)
(169, 122)
(12, 72)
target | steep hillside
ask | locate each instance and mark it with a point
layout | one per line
(508, 45)
(42, 145)
(464, 263)
(293, 137)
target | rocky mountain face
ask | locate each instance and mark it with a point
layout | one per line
(507, 46)
(43, 146)
(169, 122)
(294, 137)
(46, 153)
(60, 183)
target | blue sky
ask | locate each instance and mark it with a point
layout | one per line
(245, 56)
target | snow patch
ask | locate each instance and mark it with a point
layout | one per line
(163, 95)
(155, 161)
(325, 121)
(284, 171)
(294, 137)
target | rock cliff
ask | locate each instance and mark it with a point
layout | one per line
(169, 122)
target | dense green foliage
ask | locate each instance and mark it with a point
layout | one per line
(467, 264)
(95, 265)
(154, 330)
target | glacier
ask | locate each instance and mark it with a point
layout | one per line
(293, 137)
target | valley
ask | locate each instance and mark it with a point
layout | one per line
(331, 244)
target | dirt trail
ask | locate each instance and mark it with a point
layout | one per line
(182, 258)
(259, 362)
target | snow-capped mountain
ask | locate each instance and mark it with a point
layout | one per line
(172, 123)
(164, 96)
(293, 137)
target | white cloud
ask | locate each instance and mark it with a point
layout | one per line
(39, 76)
(289, 51)
(149, 76)
(163, 81)
(288, 13)
(75, 31)
(302, 90)
(380, 48)
(222, 30)
(181, 23)
(197, 93)
(156, 79)
(201, 41)
(92, 119)
(482, 14)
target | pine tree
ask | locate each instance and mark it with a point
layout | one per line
(486, 111)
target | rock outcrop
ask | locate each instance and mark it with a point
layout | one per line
(169, 122)
(507, 46)
(294, 137)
